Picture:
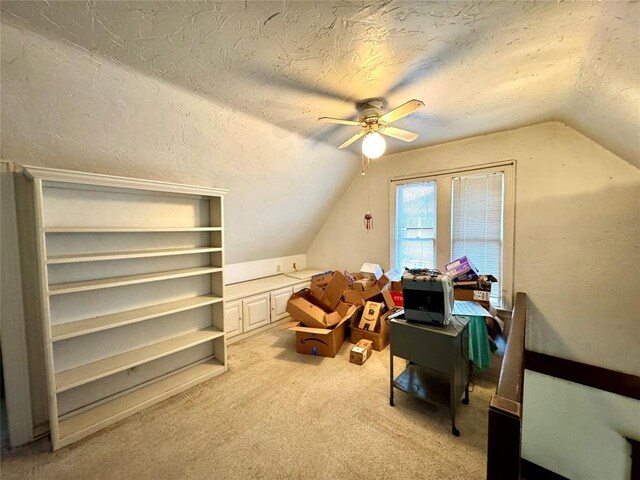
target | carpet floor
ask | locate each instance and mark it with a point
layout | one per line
(279, 414)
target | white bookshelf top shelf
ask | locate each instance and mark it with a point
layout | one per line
(55, 229)
(96, 257)
(104, 322)
(129, 280)
(93, 419)
(90, 372)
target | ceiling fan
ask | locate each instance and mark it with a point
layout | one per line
(374, 123)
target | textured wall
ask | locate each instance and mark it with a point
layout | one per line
(63, 107)
(576, 235)
(479, 66)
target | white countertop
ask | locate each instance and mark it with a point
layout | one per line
(261, 285)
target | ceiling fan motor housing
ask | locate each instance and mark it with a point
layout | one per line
(370, 111)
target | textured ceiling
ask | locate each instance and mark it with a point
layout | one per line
(478, 66)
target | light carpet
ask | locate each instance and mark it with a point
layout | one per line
(279, 414)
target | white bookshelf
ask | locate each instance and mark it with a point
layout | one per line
(131, 293)
(110, 282)
(157, 252)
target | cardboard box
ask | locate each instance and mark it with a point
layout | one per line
(323, 342)
(305, 308)
(360, 352)
(353, 297)
(370, 316)
(371, 270)
(358, 293)
(398, 299)
(379, 337)
(330, 296)
(462, 269)
(475, 290)
(321, 280)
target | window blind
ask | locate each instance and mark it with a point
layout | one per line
(477, 223)
(415, 229)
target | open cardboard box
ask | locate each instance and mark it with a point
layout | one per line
(330, 295)
(306, 308)
(381, 333)
(359, 294)
(321, 279)
(474, 290)
(379, 337)
(323, 342)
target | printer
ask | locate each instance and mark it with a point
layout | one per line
(428, 296)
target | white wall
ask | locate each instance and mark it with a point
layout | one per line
(63, 107)
(576, 235)
(576, 431)
(576, 256)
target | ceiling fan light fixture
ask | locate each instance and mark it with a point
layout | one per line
(373, 145)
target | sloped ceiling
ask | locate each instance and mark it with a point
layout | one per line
(478, 66)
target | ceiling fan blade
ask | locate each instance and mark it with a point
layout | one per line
(399, 134)
(338, 120)
(402, 111)
(352, 139)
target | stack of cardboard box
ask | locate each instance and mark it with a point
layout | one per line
(334, 302)
(368, 290)
(321, 315)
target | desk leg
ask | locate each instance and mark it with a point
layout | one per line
(454, 398)
(465, 400)
(390, 378)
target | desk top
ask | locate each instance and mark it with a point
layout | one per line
(453, 329)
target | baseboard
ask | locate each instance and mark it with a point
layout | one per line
(532, 471)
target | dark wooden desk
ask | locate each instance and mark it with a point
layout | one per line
(437, 367)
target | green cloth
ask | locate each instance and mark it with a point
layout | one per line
(479, 349)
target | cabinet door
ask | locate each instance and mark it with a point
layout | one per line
(279, 299)
(299, 286)
(232, 318)
(255, 312)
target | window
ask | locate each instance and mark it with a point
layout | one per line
(477, 223)
(443, 217)
(416, 225)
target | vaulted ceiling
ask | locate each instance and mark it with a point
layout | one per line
(478, 66)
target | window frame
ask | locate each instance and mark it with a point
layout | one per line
(443, 237)
(393, 223)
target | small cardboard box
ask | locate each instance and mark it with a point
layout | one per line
(379, 337)
(371, 270)
(462, 269)
(370, 316)
(323, 342)
(330, 296)
(360, 352)
(305, 308)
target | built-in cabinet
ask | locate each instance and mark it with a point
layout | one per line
(257, 304)
(233, 318)
(278, 300)
(128, 288)
(255, 312)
